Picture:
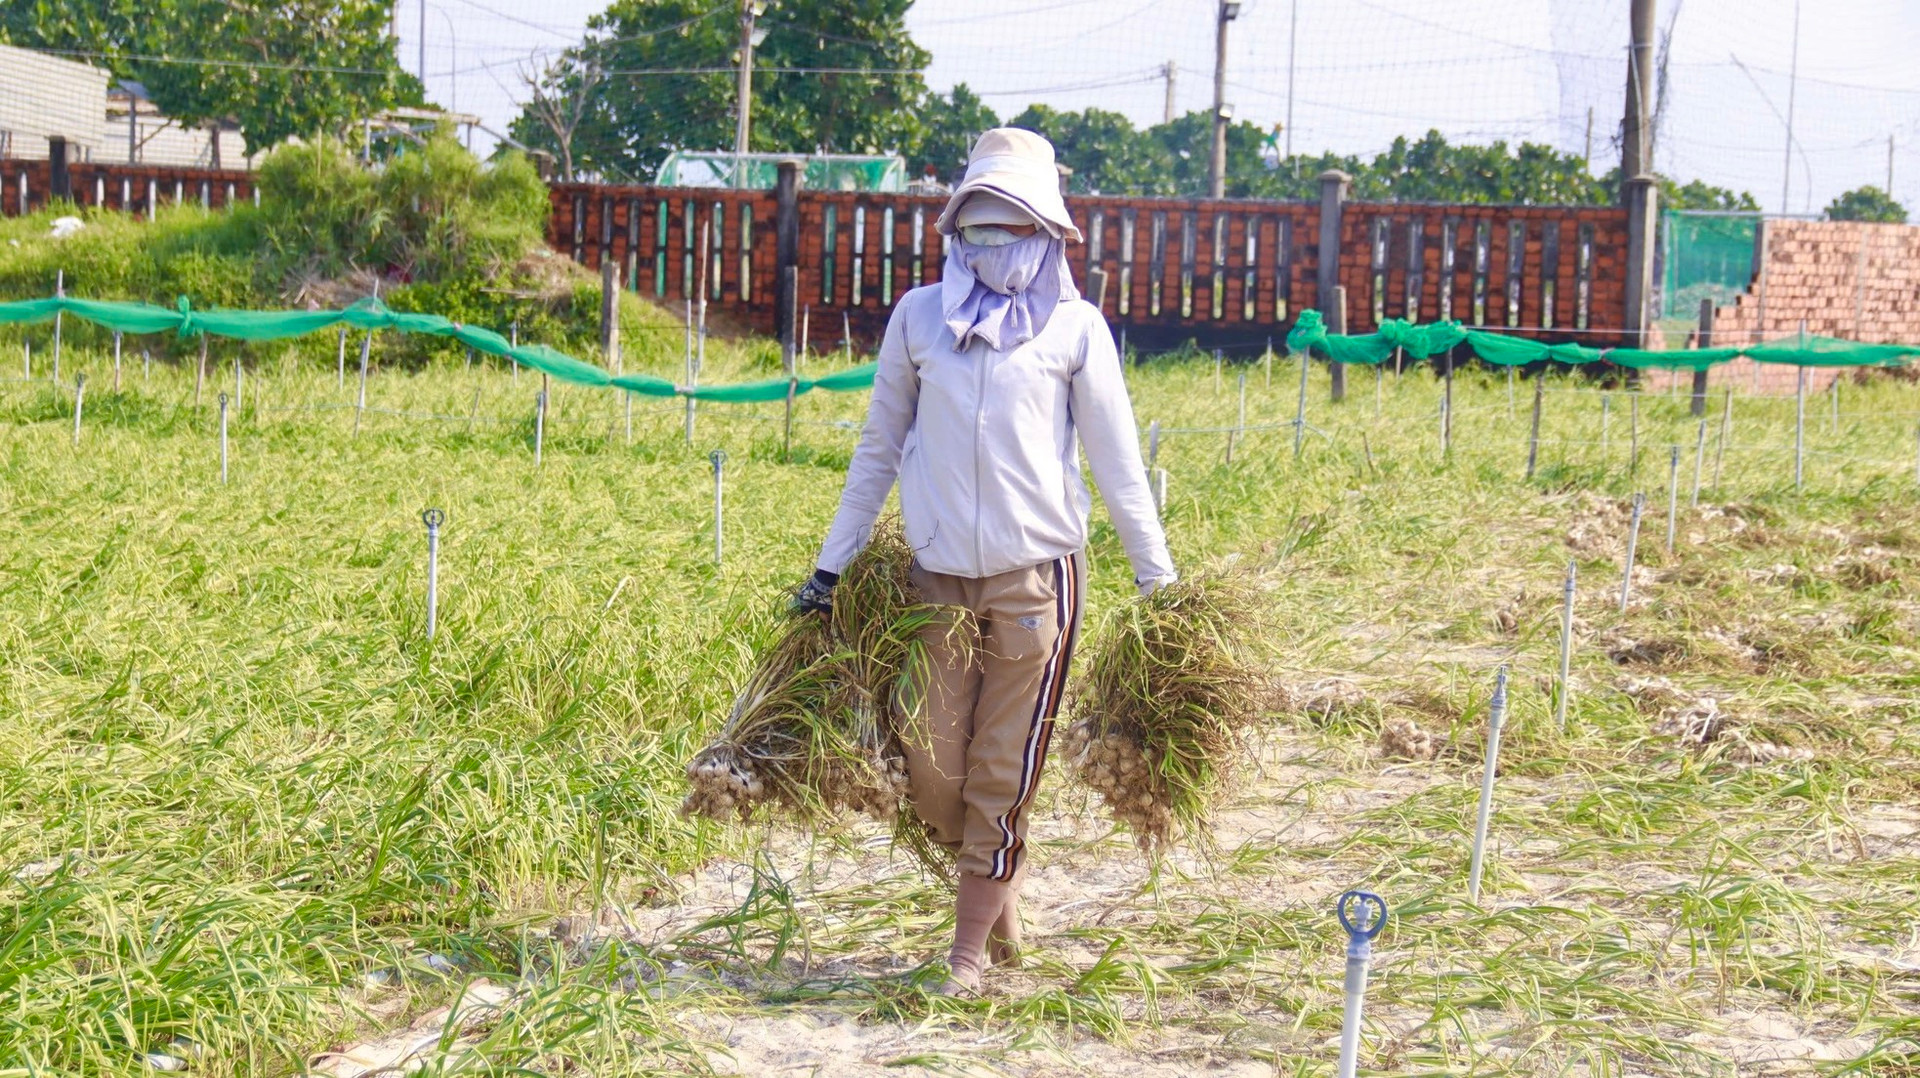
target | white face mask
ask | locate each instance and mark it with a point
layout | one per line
(988, 235)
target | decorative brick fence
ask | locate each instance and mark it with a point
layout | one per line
(26, 186)
(1224, 273)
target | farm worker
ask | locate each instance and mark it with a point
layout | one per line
(990, 383)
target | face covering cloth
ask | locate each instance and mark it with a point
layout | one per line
(1004, 295)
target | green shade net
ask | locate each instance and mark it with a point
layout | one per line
(1309, 334)
(1420, 342)
(371, 314)
(1706, 256)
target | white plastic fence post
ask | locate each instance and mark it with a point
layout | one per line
(1673, 494)
(539, 426)
(360, 403)
(719, 459)
(1300, 411)
(60, 292)
(1566, 646)
(1699, 457)
(1633, 542)
(1496, 718)
(1799, 426)
(116, 361)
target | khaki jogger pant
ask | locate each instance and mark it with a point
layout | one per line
(978, 739)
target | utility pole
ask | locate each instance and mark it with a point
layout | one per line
(1636, 157)
(750, 35)
(1793, 87)
(1293, 38)
(1170, 71)
(1222, 112)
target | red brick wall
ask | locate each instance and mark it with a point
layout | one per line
(1845, 279)
(25, 186)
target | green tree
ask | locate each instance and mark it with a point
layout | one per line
(948, 126)
(274, 68)
(1104, 150)
(1867, 203)
(653, 76)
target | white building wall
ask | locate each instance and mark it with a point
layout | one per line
(43, 95)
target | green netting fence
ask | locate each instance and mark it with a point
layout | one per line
(371, 314)
(1309, 334)
(1706, 256)
(1425, 341)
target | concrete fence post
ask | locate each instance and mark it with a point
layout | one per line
(1333, 196)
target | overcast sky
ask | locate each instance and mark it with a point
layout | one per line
(1364, 71)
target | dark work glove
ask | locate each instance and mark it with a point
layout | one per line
(816, 595)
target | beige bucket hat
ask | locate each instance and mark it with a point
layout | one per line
(1017, 165)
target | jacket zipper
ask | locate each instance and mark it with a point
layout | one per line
(979, 420)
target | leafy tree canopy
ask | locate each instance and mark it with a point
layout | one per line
(831, 76)
(1867, 203)
(274, 68)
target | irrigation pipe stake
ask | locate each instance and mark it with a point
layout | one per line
(1633, 542)
(433, 518)
(719, 459)
(340, 360)
(1673, 494)
(1300, 412)
(1566, 648)
(1496, 718)
(1533, 437)
(1699, 455)
(116, 361)
(1363, 914)
(223, 438)
(360, 403)
(539, 426)
(1799, 426)
(79, 398)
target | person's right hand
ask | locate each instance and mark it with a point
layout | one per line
(816, 595)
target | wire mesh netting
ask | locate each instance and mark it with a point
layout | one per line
(1707, 256)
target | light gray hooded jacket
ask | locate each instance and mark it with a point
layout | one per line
(986, 445)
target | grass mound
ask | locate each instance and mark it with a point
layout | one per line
(817, 727)
(1162, 725)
